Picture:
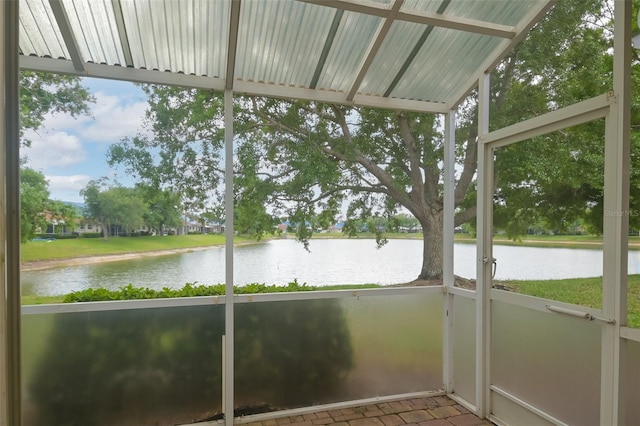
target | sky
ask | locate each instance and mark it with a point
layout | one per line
(72, 151)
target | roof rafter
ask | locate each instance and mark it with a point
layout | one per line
(426, 18)
(122, 32)
(62, 20)
(234, 25)
(414, 52)
(381, 34)
(327, 47)
(250, 88)
(494, 58)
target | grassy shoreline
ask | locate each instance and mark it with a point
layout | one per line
(37, 251)
(581, 291)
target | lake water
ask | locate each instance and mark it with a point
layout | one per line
(331, 261)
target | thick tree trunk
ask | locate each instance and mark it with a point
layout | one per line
(105, 230)
(432, 246)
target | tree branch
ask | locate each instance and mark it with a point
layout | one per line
(464, 216)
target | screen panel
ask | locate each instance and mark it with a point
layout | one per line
(125, 367)
(336, 350)
(548, 360)
(464, 348)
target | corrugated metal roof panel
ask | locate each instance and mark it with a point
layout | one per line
(93, 24)
(503, 12)
(348, 51)
(178, 36)
(401, 39)
(435, 71)
(280, 42)
(39, 33)
(284, 47)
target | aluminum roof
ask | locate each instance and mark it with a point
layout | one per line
(403, 54)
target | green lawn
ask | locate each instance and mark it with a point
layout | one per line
(551, 241)
(581, 291)
(82, 247)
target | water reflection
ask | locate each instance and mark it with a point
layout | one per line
(329, 262)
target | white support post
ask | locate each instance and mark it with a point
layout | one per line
(10, 381)
(229, 233)
(484, 233)
(447, 248)
(616, 215)
(4, 340)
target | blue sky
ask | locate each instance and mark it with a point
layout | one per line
(71, 151)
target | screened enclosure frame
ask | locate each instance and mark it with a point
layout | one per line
(58, 36)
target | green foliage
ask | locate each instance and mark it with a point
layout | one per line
(103, 368)
(63, 212)
(110, 204)
(163, 207)
(188, 139)
(47, 93)
(34, 195)
(37, 211)
(42, 94)
(299, 160)
(59, 236)
(90, 235)
(130, 292)
(306, 160)
(554, 182)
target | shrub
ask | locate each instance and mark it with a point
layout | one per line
(91, 235)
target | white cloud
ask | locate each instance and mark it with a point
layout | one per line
(110, 120)
(67, 188)
(113, 121)
(54, 149)
(63, 121)
(67, 183)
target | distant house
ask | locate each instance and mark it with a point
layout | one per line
(189, 227)
(284, 226)
(86, 226)
(215, 228)
(338, 227)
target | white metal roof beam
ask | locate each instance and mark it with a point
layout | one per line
(136, 75)
(461, 24)
(573, 115)
(426, 18)
(67, 35)
(288, 92)
(494, 58)
(122, 32)
(234, 24)
(382, 32)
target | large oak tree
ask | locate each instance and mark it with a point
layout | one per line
(306, 160)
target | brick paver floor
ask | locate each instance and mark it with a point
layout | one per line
(428, 411)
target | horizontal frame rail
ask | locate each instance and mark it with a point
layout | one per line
(580, 113)
(462, 292)
(630, 333)
(537, 303)
(526, 405)
(220, 300)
